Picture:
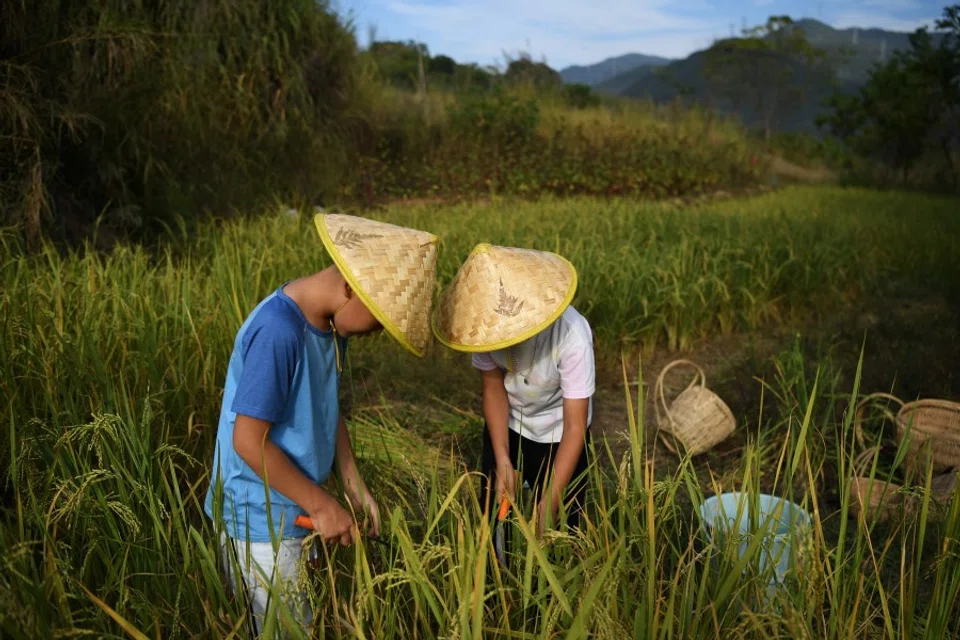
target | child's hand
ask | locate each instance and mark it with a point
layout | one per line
(365, 502)
(333, 523)
(544, 517)
(506, 480)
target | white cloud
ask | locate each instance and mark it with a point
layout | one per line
(602, 18)
(565, 31)
(586, 31)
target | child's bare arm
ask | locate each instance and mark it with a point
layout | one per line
(353, 485)
(568, 453)
(496, 411)
(273, 466)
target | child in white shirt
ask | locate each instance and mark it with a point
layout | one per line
(511, 308)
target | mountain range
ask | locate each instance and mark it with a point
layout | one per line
(604, 71)
(852, 52)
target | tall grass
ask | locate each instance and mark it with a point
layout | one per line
(111, 367)
(105, 536)
(164, 323)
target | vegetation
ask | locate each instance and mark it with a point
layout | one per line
(514, 142)
(111, 367)
(888, 102)
(910, 106)
(772, 67)
(125, 117)
(157, 121)
(133, 114)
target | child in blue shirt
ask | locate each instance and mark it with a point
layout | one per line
(280, 430)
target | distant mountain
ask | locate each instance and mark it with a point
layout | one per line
(853, 53)
(859, 48)
(619, 84)
(594, 74)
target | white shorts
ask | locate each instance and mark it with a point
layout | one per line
(256, 573)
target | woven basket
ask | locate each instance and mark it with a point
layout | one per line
(928, 423)
(942, 488)
(697, 418)
(877, 498)
(872, 495)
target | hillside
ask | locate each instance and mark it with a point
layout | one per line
(664, 84)
(619, 84)
(852, 52)
(595, 74)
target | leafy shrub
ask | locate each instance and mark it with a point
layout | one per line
(580, 96)
(138, 113)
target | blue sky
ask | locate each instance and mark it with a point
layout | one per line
(585, 31)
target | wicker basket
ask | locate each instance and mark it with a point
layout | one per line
(877, 498)
(928, 423)
(882, 498)
(697, 418)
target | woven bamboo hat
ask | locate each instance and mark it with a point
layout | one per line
(502, 296)
(392, 269)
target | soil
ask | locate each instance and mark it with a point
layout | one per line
(911, 348)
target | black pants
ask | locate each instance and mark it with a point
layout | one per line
(533, 460)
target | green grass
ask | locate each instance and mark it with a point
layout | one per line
(111, 368)
(524, 143)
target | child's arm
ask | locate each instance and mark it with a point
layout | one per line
(578, 382)
(273, 466)
(568, 453)
(353, 484)
(496, 411)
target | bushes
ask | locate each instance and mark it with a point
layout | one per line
(124, 116)
(500, 142)
(580, 96)
(139, 111)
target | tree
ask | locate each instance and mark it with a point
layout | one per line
(399, 62)
(910, 106)
(442, 65)
(524, 70)
(769, 69)
(580, 96)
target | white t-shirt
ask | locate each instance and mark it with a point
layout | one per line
(557, 363)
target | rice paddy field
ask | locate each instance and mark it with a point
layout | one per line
(797, 303)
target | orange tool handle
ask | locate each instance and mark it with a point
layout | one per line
(504, 509)
(304, 522)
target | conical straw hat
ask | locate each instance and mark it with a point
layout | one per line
(502, 296)
(392, 269)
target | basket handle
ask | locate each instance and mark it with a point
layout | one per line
(858, 415)
(659, 395)
(862, 460)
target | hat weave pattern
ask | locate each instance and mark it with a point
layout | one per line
(502, 296)
(391, 268)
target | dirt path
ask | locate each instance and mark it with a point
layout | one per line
(790, 172)
(912, 349)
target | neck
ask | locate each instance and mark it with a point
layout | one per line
(318, 295)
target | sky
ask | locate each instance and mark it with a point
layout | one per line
(566, 32)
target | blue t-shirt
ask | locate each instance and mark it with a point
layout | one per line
(282, 370)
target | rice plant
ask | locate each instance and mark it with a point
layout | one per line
(110, 373)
